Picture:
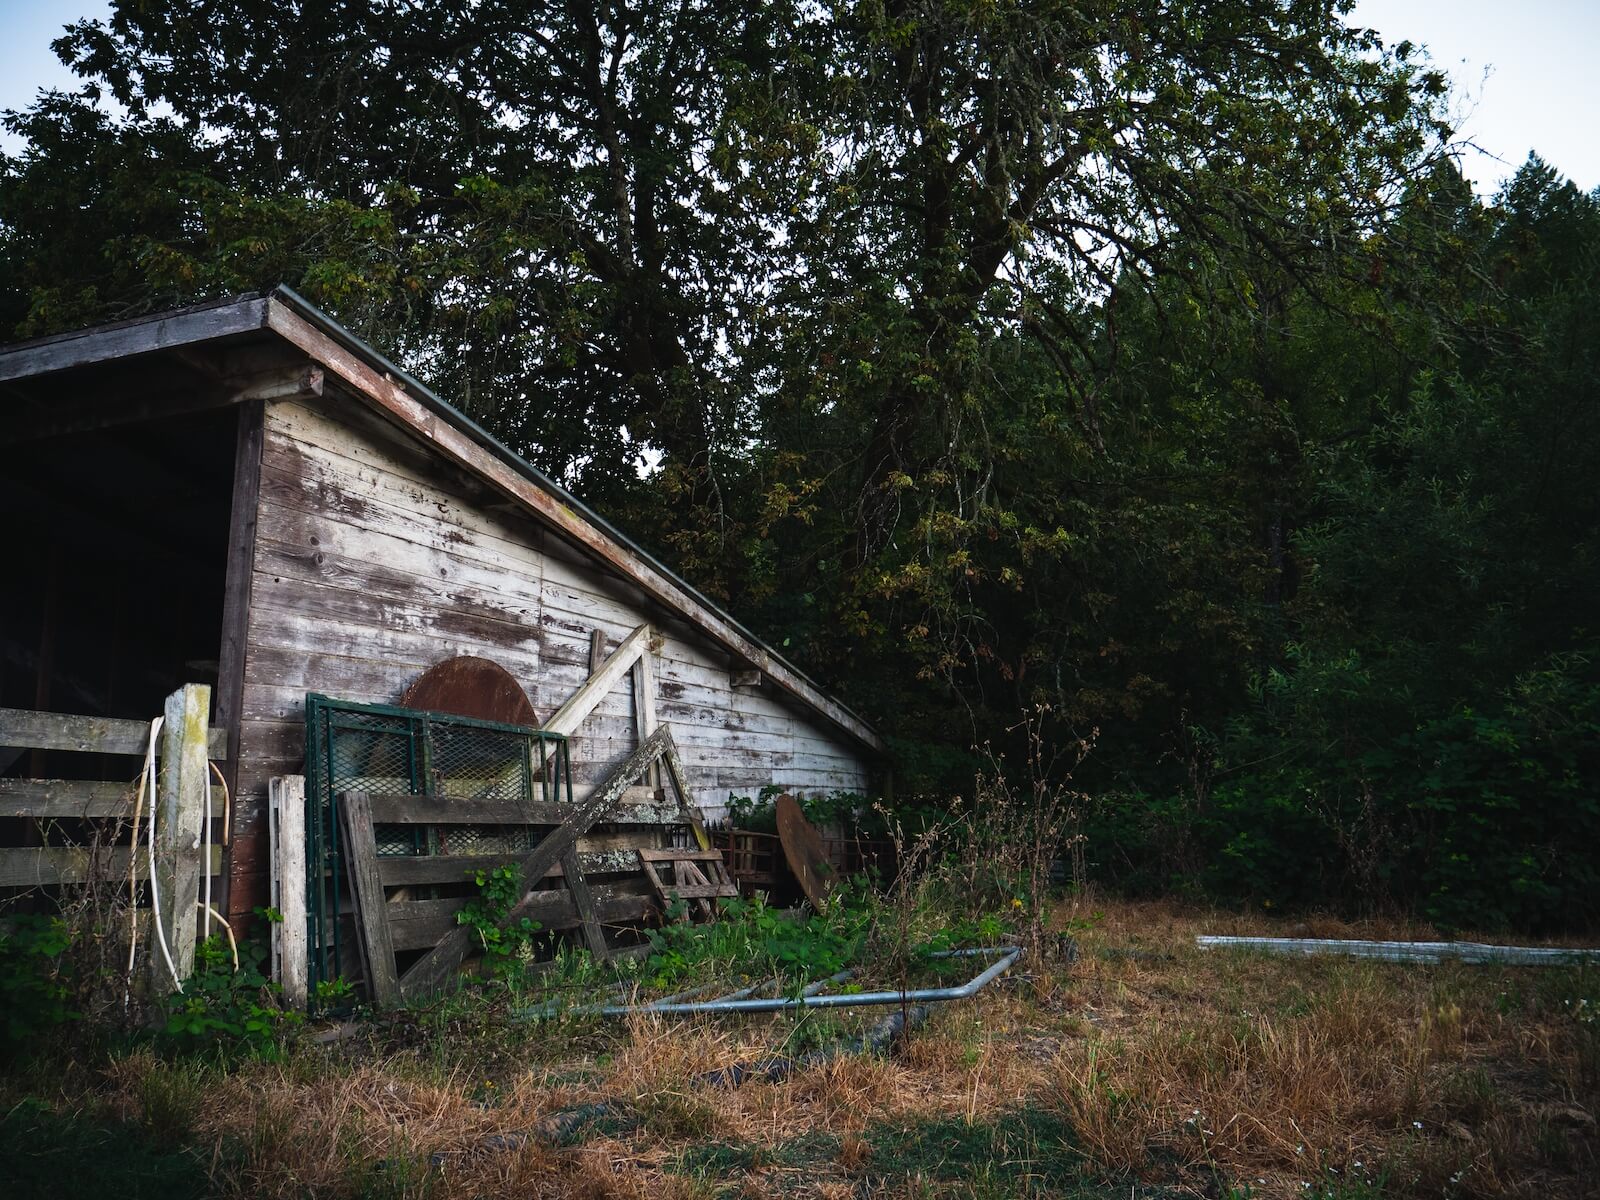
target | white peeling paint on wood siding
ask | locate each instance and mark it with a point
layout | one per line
(374, 560)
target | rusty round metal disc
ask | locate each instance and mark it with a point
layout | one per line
(802, 847)
(471, 687)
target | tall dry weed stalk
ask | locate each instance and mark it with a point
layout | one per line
(1004, 851)
(1022, 833)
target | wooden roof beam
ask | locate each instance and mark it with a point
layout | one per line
(104, 343)
(300, 381)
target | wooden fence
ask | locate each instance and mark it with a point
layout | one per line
(82, 813)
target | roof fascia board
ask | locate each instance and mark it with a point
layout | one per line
(459, 439)
(102, 343)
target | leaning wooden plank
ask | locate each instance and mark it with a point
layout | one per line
(419, 924)
(47, 866)
(582, 702)
(644, 702)
(25, 729)
(680, 785)
(583, 901)
(361, 852)
(435, 969)
(67, 799)
(289, 794)
(1417, 952)
(652, 876)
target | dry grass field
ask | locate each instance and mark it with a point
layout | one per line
(1146, 1068)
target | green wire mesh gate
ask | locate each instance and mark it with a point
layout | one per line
(385, 750)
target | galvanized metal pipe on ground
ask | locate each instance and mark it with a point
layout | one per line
(1417, 952)
(812, 999)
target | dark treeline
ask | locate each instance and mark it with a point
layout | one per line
(1147, 372)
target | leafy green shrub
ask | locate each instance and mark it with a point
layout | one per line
(507, 949)
(752, 939)
(758, 814)
(335, 993)
(35, 994)
(221, 1005)
(1476, 817)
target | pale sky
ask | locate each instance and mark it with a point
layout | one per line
(1524, 72)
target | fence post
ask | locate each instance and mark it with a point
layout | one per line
(182, 805)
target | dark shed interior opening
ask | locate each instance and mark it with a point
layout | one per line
(112, 594)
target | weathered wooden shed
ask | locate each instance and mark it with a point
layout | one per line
(245, 494)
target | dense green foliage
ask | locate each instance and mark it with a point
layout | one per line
(1146, 365)
(34, 970)
(751, 938)
(228, 1003)
(507, 946)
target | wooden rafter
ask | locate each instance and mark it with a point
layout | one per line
(617, 664)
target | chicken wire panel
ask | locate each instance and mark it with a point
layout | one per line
(385, 750)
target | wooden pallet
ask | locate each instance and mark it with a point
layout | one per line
(390, 922)
(698, 876)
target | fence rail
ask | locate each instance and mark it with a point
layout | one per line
(76, 799)
(25, 729)
(44, 866)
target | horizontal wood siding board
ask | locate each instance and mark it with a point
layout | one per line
(393, 563)
(365, 436)
(338, 611)
(296, 562)
(315, 479)
(340, 500)
(304, 633)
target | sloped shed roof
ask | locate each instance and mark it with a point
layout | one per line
(282, 315)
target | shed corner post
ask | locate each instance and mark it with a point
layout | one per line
(182, 805)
